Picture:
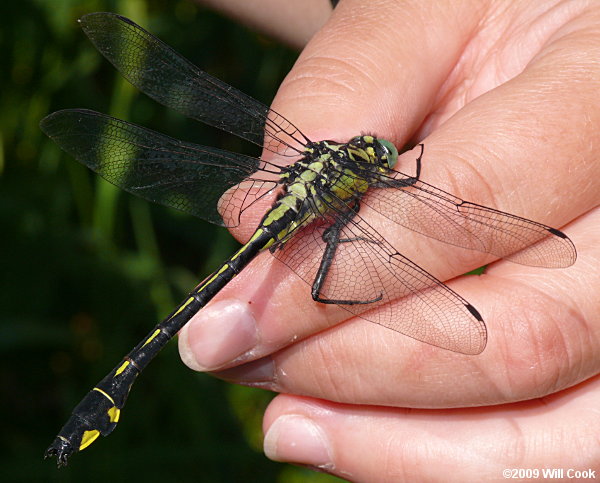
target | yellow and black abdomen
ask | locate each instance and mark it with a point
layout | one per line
(99, 411)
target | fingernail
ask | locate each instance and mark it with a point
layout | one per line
(259, 373)
(297, 439)
(219, 334)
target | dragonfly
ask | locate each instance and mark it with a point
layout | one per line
(309, 197)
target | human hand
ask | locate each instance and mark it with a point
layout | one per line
(504, 97)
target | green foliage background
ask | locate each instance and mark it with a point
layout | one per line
(86, 271)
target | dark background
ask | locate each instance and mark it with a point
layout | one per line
(86, 271)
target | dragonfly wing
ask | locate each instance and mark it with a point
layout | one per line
(170, 79)
(408, 299)
(199, 180)
(435, 213)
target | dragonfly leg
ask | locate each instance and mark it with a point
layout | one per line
(331, 237)
(418, 161)
(404, 182)
(413, 179)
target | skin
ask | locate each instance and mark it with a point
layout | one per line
(505, 97)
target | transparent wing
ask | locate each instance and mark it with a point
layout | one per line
(174, 173)
(170, 79)
(431, 211)
(366, 267)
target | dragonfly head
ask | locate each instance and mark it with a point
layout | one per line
(386, 152)
(379, 151)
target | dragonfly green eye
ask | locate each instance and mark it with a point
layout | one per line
(391, 151)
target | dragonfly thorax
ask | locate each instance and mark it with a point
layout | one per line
(330, 177)
(363, 158)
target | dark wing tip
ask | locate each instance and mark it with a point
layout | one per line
(95, 17)
(46, 122)
(474, 312)
(569, 255)
(481, 342)
(92, 15)
(556, 232)
(50, 125)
